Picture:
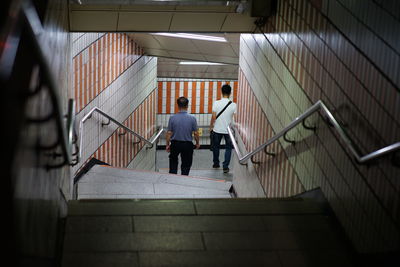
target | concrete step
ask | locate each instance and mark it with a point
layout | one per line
(193, 207)
(104, 182)
(201, 232)
(156, 241)
(214, 173)
(194, 223)
(154, 177)
(309, 258)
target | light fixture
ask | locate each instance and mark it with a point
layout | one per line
(199, 63)
(193, 36)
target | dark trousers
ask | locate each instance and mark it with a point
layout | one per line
(217, 137)
(185, 148)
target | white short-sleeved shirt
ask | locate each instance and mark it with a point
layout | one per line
(221, 124)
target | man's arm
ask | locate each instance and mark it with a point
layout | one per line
(197, 138)
(213, 118)
(168, 138)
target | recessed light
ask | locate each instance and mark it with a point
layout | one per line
(199, 63)
(193, 36)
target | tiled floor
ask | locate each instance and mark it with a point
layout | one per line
(202, 164)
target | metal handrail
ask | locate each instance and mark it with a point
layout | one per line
(96, 109)
(318, 106)
(65, 133)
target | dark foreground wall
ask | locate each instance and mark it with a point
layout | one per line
(37, 190)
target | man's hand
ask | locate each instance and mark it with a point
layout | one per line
(197, 146)
(167, 141)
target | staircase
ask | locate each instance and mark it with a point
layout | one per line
(201, 232)
(105, 182)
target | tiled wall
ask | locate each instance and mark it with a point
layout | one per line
(201, 94)
(100, 59)
(275, 173)
(304, 57)
(119, 149)
(121, 86)
(40, 193)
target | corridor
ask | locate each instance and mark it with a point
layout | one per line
(202, 165)
(89, 87)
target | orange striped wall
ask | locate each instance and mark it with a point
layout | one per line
(101, 63)
(276, 174)
(201, 94)
(119, 150)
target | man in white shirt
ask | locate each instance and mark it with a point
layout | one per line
(223, 113)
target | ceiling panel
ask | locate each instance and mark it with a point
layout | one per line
(192, 68)
(157, 52)
(228, 60)
(192, 22)
(176, 44)
(168, 67)
(238, 23)
(144, 21)
(172, 50)
(190, 49)
(215, 48)
(187, 56)
(205, 8)
(159, 15)
(146, 40)
(93, 21)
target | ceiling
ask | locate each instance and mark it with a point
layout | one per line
(170, 68)
(161, 16)
(172, 50)
(140, 18)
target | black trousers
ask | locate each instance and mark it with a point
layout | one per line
(185, 149)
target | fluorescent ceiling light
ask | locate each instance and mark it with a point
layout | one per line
(193, 36)
(199, 63)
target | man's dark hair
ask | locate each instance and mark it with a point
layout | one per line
(226, 89)
(182, 102)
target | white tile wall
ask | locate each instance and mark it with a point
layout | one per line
(82, 40)
(118, 100)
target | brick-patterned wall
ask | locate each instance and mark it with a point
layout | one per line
(304, 57)
(276, 174)
(119, 149)
(100, 62)
(201, 94)
(111, 74)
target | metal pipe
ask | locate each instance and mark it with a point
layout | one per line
(318, 106)
(35, 29)
(96, 109)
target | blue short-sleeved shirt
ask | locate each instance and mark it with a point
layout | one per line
(182, 125)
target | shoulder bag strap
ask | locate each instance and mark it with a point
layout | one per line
(230, 102)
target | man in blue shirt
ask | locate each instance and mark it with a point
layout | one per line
(179, 138)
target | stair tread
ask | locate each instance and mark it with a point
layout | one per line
(189, 241)
(201, 232)
(142, 174)
(116, 183)
(195, 223)
(155, 196)
(198, 206)
(209, 258)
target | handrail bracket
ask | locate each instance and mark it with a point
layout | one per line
(311, 128)
(293, 142)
